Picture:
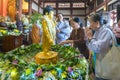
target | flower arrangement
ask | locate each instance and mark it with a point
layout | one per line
(19, 64)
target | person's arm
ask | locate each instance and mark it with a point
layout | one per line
(81, 36)
(69, 40)
(102, 44)
(66, 42)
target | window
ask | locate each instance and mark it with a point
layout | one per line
(64, 5)
(110, 7)
(115, 4)
(78, 5)
(99, 2)
(50, 4)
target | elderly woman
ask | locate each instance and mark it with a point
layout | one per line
(77, 38)
(100, 42)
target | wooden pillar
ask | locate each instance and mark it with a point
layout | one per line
(38, 6)
(43, 4)
(106, 5)
(20, 8)
(95, 5)
(85, 14)
(56, 8)
(71, 9)
(30, 7)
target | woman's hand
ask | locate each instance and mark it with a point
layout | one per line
(88, 33)
(62, 43)
(66, 42)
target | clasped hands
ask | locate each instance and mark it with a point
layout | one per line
(88, 33)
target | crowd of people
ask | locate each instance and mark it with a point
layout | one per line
(96, 38)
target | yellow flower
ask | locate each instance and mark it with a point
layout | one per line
(53, 72)
(28, 71)
(15, 30)
(64, 75)
(14, 72)
(3, 31)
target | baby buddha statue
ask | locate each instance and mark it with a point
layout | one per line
(48, 38)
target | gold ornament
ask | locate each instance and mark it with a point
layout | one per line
(48, 39)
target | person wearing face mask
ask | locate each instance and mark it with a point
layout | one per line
(100, 43)
(77, 38)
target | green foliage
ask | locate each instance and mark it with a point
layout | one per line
(22, 59)
(34, 17)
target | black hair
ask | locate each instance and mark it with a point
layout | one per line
(105, 21)
(81, 24)
(76, 19)
(97, 17)
(47, 9)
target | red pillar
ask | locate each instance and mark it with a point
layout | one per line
(3, 7)
(0, 7)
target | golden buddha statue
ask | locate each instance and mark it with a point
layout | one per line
(48, 38)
